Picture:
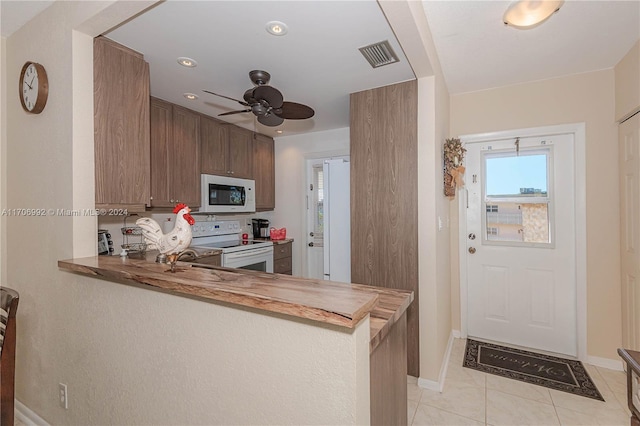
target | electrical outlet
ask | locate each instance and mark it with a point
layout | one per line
(62, 396)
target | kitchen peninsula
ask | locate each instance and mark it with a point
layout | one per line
(353, 340)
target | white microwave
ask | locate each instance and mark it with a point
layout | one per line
(223, 194)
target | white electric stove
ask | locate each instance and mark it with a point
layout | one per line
(236, 253)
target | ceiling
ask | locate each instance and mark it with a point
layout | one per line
(14, 14)
(477, 51)
(317, 63)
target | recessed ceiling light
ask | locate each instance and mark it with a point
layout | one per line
(190, 96)
(187, 62)
(277, 28)
(279, 132)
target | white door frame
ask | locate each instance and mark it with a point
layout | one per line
(579, 133)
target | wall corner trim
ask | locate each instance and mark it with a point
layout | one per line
(439, 385)
(28, 416)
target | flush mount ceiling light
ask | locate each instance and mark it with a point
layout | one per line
(190, 96)
(530, 13)
(187, 62)
(277, 28)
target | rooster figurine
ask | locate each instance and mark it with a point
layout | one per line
(175, 241)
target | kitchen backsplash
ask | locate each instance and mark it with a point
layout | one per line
(113, 224)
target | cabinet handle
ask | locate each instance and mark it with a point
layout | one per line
(171, 201)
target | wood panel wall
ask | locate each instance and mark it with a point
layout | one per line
(384, 207)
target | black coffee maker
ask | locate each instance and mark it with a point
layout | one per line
(260, 228)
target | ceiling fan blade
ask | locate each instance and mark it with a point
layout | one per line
(269, 94)
(270, 120)
(234, 112)
(295, 111)
(227, 97)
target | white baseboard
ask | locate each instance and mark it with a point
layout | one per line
(428, 384)
(611, 364)
(439, 385)
(27, 416)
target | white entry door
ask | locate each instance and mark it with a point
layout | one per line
(521, 254)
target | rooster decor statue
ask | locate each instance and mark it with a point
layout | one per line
(174, 242)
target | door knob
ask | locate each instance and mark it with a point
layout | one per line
(311, 234)
(472, 236)
(311, 244)
(472, 250)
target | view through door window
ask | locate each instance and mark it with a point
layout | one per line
(318, 204)
(517, 199)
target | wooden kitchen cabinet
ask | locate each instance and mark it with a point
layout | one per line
(121, 126)
(175, 154)
(282, 259)
(264, 172)
(227, 150)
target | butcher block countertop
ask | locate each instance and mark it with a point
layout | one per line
(328, 302)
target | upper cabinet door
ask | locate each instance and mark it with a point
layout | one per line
(185, 157)
(214, 146)
(161, 135)
(121, 120)
(264, 172)
(175, 155)
(240, 153)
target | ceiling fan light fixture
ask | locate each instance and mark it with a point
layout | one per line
(277, 28)
(530, 13)
(187, 62)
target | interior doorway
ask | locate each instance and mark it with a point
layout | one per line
(327, 213)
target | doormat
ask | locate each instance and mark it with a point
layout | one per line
(543, 370)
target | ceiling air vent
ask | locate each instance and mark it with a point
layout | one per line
(379, 54)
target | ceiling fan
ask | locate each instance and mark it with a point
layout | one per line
(267, 103)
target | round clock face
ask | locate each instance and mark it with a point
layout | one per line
(30, 87)
(33, 87)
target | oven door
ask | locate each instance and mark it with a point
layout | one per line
(258, 259)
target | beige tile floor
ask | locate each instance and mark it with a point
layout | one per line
(474, 398)
(471, 397)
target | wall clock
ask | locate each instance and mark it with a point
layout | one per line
(34, 87)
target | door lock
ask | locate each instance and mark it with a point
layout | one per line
(472, 250)
(311, 244)
(472, 236)
(311, 234)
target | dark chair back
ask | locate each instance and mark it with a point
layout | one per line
(8, 307)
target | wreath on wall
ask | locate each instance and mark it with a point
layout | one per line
(453, 168)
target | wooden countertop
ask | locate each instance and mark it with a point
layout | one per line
(317, 300)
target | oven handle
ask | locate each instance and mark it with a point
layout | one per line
(249, 253)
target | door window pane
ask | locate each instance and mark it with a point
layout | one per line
(318, 205)
(517, 197)
(516, 176)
